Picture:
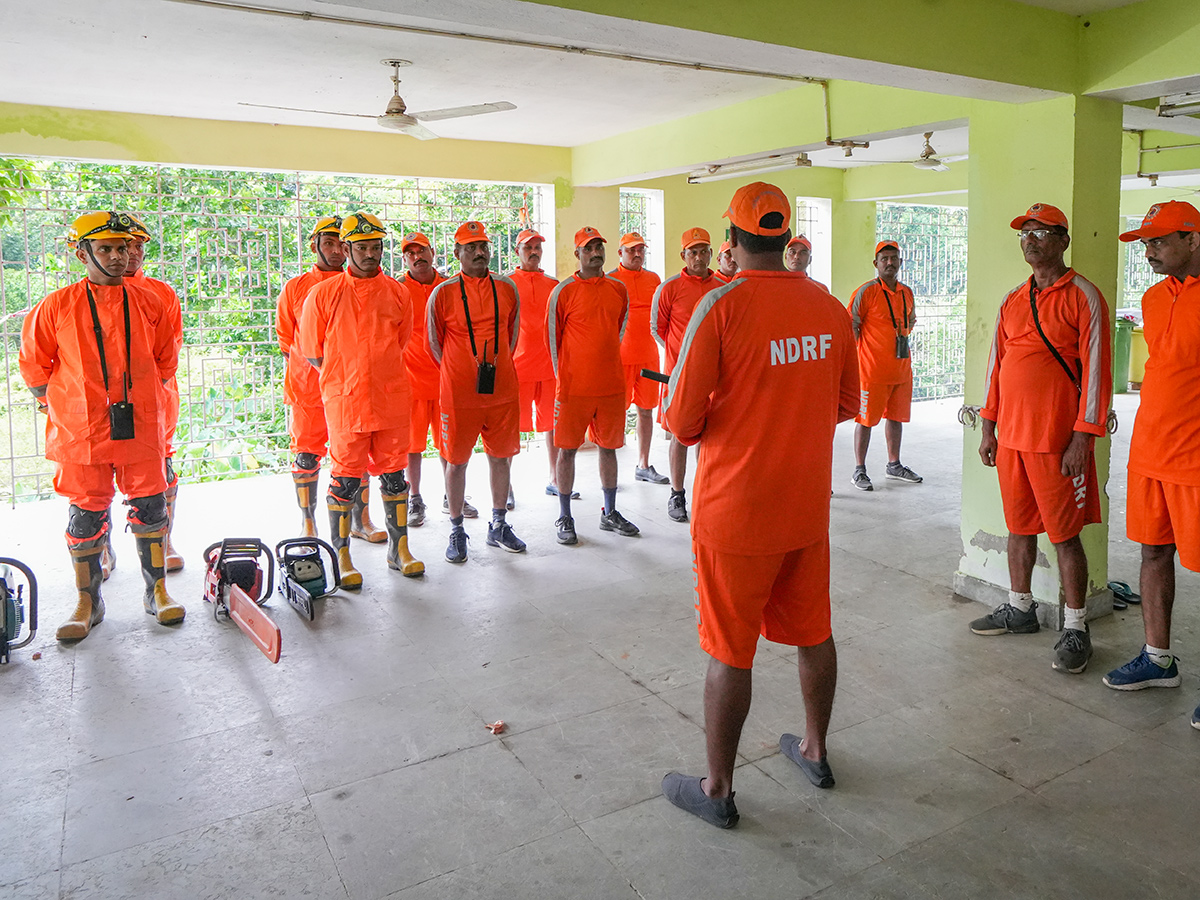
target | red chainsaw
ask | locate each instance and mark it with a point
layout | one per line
(234, 586)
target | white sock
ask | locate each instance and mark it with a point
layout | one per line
(1022, 601)
(1161, 656)
(1073, 618)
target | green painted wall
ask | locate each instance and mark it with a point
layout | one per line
(1143, 43)
(577, 207)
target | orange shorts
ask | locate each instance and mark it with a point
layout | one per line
(424, 415)
(374, 452)
(640, 391)
(1038, 497)
(90, 487)
(537, 405)
(1157, 513)
(463, 425)
(783, 597)
(602, 419)
(309, 432)
(884, 401)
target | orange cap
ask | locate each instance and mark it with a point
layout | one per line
(883, 245)
(801, 241)
(1165, 218)
(415, 237)
(633, 239)
(587, 234)
(694, 236)
(470, 232)
(528, 235)
(754, 202)
(724, 246)
(1044, 213)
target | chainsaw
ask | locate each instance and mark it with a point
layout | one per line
(16, 609)
(233, 584)
(303, 577)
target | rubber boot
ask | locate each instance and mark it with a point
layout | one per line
(361, 525)
(156, 600)
(306, 496)
(339, 536)
(108, 557)
(173, 561)
(89, 610)
(395, 510)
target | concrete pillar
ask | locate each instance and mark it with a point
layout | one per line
(1066, 152)
(853, 246)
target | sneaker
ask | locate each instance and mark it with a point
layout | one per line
(1073, 650)
(469, 512)
(687, 792)
(1007, 619)
(512, 500)
(861, 480)
(416, 511)
(552, 491)
(1196, 718)
(902, 473)
(817, 772)
(456, 552)
(677, 506)
(648, 474)
(614, 521)
(1143, 672)
(566, 530)
(502, 536)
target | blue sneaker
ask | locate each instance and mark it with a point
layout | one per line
(502, 536)
(456, 552)
(1143, 672)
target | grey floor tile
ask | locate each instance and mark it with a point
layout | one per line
(661, 657)
(39, 887)
(31, 821)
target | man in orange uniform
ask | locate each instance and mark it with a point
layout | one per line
(766, 342)
(883, 313)
(638, 350)
(585, 322)
(726, 264)
(1049, 385)
(96, 355)
(473, 322)
(421, 278)
(535, 369)
(798, 255)
(172, 561)
(1163, 510)
(674, 302)
(353, 329)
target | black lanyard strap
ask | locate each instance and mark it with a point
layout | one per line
(496, 321)
(125, 379)
(1049, 346)
(903, 307)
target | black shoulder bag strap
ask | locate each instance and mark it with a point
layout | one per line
(1049, 346)
(126, 379)
(496, 321)
(903, 308)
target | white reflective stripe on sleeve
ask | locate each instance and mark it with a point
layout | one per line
(856, 308)
(654, 311)
(516, 329)
(994, 353)
(551, 321)
(702, 309)
(1097, 312)
(625, 319)
(435, 346)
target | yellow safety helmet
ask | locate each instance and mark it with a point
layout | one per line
(139, 229)
(96, 226)
(362, 226)
(327, 225)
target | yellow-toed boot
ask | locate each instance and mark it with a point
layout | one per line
(89, 610)
(361, 525)
(156, 600)
(306, 496)
(395, 510)
(339, 536)
(173, 561)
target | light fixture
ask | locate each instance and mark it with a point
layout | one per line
(1187, 104)
(749, 167)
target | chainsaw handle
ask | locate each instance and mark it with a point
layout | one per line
(311, 542)
(245, 548)
(31, 621)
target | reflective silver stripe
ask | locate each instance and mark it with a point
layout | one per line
(551, 323)
(707, 302)
(625, 290)
(993, 355)
(516, 330)
(654, 311)
(435, 346)
(856, 307)
(1097, 313)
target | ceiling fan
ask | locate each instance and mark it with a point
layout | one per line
(928, 159)
(397, 117)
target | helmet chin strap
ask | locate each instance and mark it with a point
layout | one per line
(87, 245)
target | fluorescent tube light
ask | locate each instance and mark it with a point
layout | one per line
(750, 167)
(1180, 104)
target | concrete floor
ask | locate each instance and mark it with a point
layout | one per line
(178, 763)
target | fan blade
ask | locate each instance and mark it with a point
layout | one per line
(323, 112)
(420, 132)
(950, 159)
(458, 112)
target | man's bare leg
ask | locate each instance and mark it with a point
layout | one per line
(892, 432)
(608, 468)
(500, 473)
(1073, 570)
(645, 431)
(414, 474)
(565, 471)
(862, 440)
(552, 457)
(726, 704)
(1158, 592)
(1022, 554)
(818, 683)
(456, 488)
(677, 456)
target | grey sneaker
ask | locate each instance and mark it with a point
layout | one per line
(416, 511)
(861, 480)
(1007, 619)
(648, 474)
(1073, 650)
(687, 792)
(1196, 718)
(677, 506)
(469, 512)
(566, 530)
(614, 521)
(902, 473)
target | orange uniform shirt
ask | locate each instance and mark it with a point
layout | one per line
(872, 317)
(59, 359)
(585, 324)
(359, 327)
(819, 284)
(1030, 398)
(637, 346)
(423, 374)
(174, 312)
(1166, 434)
(674, 302)
(300, 379)
(532, 357)
(450, 342)
(766, 371)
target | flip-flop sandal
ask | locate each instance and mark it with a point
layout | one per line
(1124, 594)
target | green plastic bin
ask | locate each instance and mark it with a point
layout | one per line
(1122, 341)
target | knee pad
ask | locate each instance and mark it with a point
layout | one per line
(393, 482)
(147, 513)
(86, 524)
(344, 489)
(306, 464)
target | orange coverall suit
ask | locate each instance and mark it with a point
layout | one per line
(175, 313)
(359, 327)
(466, 413)
(301, 389)
(59, 360)
(765, 372)
(423, 372)
(1036, 406)
(535, 369)
(638, 350)
(886, 381)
